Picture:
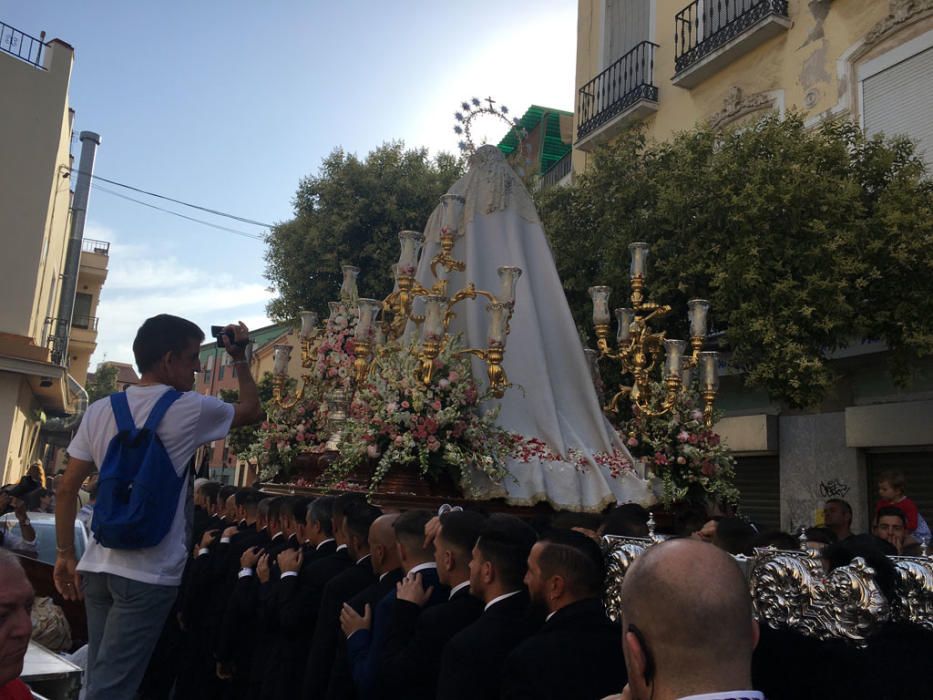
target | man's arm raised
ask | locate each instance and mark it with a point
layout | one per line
(248, 409)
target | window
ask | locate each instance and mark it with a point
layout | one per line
(897, 94)
(81, 317)
(627, 24)
(917, 468)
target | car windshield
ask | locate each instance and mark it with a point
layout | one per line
(45, 536)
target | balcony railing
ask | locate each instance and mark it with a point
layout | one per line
(88, 323)
(24, 47)
(556, 172)
(617, 88)
(706, 25)
(89, 245)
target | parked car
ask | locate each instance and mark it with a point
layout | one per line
(44, 525)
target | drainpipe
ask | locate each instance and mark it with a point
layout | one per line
(66, 305)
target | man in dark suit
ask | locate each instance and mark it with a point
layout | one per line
(473, 660)
(387, 567)
(576, 654)
(411, 657)
(689, 625)
(357, 520)
(366, 634)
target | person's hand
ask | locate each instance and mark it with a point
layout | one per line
(207, 538)
(249, 558)
(66, 576)
(351, 621)
(431, 528)
(707, 532)
(290, 560)
(240, 335)
(230, 531)
(262, 569)
(224, 672)
(626, 693)
(592, 534)
(411, 589)
(19, 508)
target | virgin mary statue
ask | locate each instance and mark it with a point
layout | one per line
(569, 456)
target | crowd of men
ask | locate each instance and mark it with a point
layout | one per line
(332, 598)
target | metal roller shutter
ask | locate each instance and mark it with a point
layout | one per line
(899, 101)
(918, 470)
(759, 482)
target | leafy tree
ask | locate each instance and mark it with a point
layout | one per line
(803, 240)
(103, 384)
(351, 213)
(239, 439)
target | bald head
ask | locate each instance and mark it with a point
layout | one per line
(690, 603)
(382, 544)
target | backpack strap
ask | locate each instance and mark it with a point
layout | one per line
(121, 413)
(161, 406)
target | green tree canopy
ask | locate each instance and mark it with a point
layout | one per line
(802, 239)
(103, 383)
(351, 213)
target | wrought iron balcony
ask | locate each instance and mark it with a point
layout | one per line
(88, 323)
(556, 173)
(617, 90)
(89, 245)
(722, 29)
(24, 47)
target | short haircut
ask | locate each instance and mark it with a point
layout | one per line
(359, 517)
(576, 558)
(409, 529)
(278, 508)
(264, 506)
(894, 477)
(627, 520)
(821, 534)
(734, 535)
(321, 510)
(241, 496)
(210, 490)
(567, 520)
(460, 529)
(845, 505)
(225, 492)
(299, 508)
(506, 541)
(890, 511)
(160, 335)
(343, 500)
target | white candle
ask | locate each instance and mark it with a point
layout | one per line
(280, 358)
(410, 242)
(600, 297)
(697, 314)
(508, 278)
(498, 317)
(308, 322)
(435, 307)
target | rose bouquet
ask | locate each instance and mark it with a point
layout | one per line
(691, 460)
(285, 434)
(398, 421)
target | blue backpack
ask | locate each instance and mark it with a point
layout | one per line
(138, 488)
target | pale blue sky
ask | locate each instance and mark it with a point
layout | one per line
(228, 104)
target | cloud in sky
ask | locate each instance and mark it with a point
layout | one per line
(142, 283)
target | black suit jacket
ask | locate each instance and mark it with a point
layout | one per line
(473, 660)
(295, 604)
(411, 657)
(338, 591)
(340, 686)
(577, 654)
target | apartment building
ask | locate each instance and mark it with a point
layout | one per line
(673, 64)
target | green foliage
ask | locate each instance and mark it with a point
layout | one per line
(103, 384)
(351, 213)
(803, 240)
(239, 439)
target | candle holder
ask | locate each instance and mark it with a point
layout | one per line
(639, 349)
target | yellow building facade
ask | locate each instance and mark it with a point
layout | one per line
(673, 64)
(35, 223)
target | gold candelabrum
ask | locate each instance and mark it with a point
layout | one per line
(639, 349)
(390, 319)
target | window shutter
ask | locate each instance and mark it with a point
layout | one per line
(917, 468)
(898, 101)
(758, 480)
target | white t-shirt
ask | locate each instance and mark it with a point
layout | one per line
(192, 420)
